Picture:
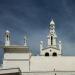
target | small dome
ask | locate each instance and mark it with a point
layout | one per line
(7, 31)
(52, 22)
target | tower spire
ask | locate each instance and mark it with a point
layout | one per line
(52, 26)
(52, 22)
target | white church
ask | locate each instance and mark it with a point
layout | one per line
(18, 59)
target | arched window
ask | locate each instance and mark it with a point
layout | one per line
(54, 54)
(51, 40)
(7, 37)
(46, 54)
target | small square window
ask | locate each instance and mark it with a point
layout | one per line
(50, 50)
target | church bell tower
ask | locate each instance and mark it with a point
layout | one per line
(53, 48)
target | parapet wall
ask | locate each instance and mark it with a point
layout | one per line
(50, 73)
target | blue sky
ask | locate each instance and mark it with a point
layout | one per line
(32, 17)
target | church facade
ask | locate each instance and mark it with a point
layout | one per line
(49, 62)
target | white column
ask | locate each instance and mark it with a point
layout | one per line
(60, 47)
(54, 41)
(49, 41)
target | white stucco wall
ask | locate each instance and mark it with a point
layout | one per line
(42, 63)
(59, 63)
(22, 64)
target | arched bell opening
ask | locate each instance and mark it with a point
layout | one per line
(46, 54)
(54, 54)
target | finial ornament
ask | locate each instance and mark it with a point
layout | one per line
(25, 40)
(41, 46)
(41, 42)
(60, 42)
